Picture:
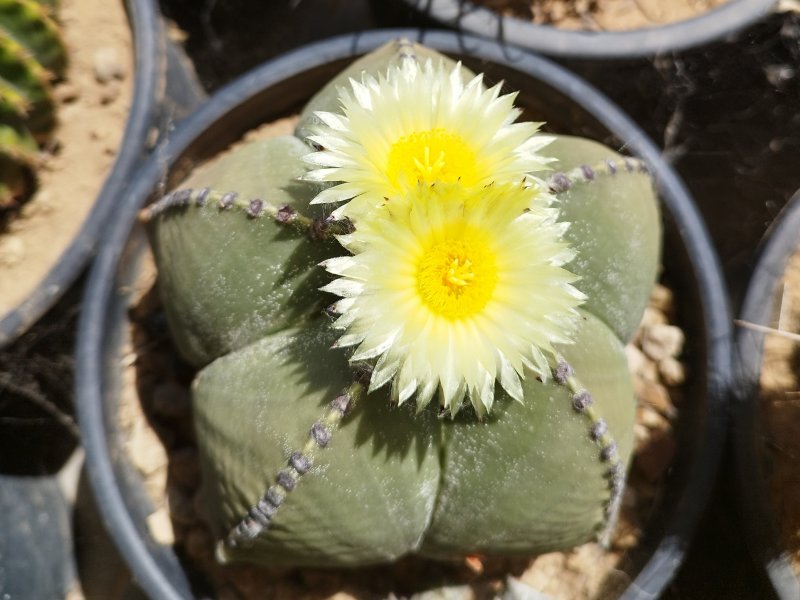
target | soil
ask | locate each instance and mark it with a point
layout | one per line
(92, 108)
(156, 421)
(780, 388)
(602, 15)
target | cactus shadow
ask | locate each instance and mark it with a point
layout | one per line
(390, 432)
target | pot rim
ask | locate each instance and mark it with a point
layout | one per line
(778, 244)
(148, 49)
(716, 23)
(91, 378)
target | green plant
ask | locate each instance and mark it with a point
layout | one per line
(300, 464)
(32, 54)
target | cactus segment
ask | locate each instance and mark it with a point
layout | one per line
(369, 494)
(259, 517)
(316, 228)
(532, 478)
(615, 228)
(230, 278)
(29, 24)
(374, 63)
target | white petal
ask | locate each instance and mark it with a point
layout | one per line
(343, 287)
(373, 350)
(509, 379)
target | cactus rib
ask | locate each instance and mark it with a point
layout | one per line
(582, 403)
(562, 181)
(316, 228)
(298, 464)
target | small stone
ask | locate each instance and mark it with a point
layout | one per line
(654, 395)
(638, 364)
(12, 250)
(145, 449)
(652, 419)
(662, 341)
(160, 527)
(661, 298)
(108, 65)
(653, 316)
(672, 371)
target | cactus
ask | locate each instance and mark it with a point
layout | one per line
(303, 463)
(31, 56)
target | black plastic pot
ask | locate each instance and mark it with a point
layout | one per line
(282, 85)
(781, 241)
(150, 62)
(36, 546)
(470, 18)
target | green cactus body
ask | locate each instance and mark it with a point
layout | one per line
(301, 466)
(30, 25)
(32, 54)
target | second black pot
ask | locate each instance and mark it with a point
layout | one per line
(752, 461)
(596, 45)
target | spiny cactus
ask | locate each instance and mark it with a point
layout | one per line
(32, 54)
(307, 457)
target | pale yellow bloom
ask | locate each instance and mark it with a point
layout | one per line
(452, 289)
(419, 123)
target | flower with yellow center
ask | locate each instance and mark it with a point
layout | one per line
(452, 289)
(419, 124)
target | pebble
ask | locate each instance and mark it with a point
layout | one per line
(160, 526)
(639, 364)
(108, 65)
(654, 395)
(672, 371)
(653, 316)
(661, 298)
(145, 449)
(652, 419)
(662, 341)
(12, 250)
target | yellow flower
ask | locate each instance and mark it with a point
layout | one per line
(419, 124)
(453, 289)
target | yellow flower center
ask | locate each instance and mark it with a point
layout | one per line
(435, 155)
(457, 273)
